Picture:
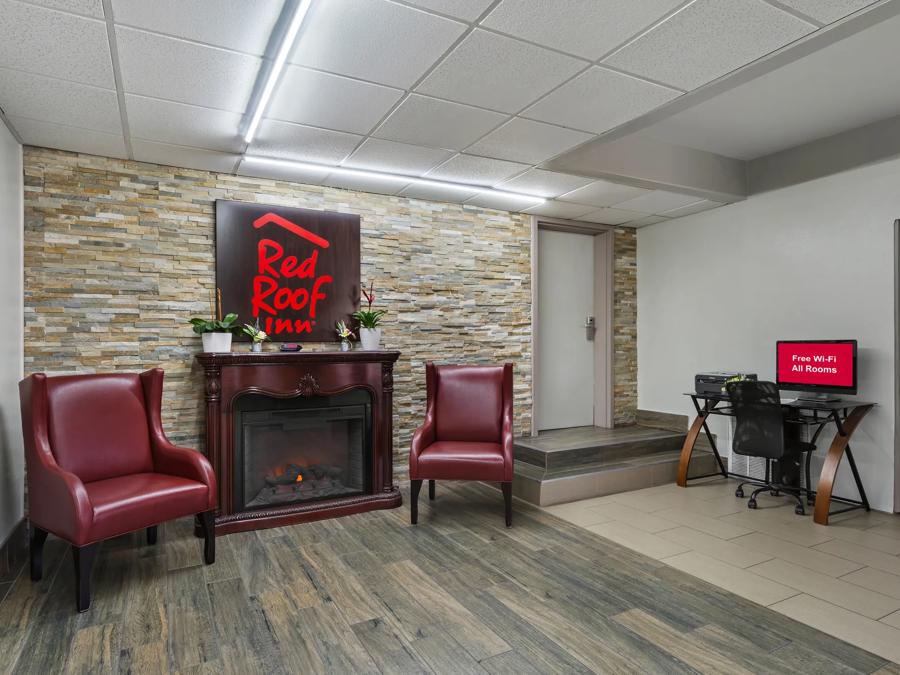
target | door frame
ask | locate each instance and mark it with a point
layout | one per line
(604, 289)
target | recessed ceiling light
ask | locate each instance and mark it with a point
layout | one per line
(284, 50)
(399, 178)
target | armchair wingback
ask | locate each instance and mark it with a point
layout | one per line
(99, 465)
(468, 430)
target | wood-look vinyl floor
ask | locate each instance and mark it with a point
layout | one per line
(459, 593)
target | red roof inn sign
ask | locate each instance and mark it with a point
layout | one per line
(296, 270)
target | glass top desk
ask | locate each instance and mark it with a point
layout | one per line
(844, 414)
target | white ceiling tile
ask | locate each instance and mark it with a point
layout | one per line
(304, 144)
(656, 202)
(586, 28)
(612, 216)
(411, 160)
(708, 39)
(189, 158)
(440, 124)
(557, 209)
(544, 183)
(826, 11)
(381, 186)
(50, 100)
(648, 220)
(61, 137)
(497, 72)
(501, 202)
(603, 193)
(283, 172)
(91, 8)
(61, 45)
(598, 100)
(322, 100)
(173, 69)
(467, 10)
(375, 40)
(181, 124)
(234, 24)
(522, 140)
(690, 209)
(437, 193)
(477, 170)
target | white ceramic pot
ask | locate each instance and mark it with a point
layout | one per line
(370, 338)
(345, 345)
(256, 347)
(216, 342)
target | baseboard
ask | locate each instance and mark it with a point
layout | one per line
(662, 420)
(14, 552)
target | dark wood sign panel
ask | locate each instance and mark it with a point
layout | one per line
(296, 270)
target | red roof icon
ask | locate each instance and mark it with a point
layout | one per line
(291, 227)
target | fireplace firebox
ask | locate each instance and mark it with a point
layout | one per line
(295, 437)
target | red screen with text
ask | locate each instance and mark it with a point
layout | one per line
(827, 364)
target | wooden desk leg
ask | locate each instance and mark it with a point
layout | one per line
(833, 460)
(688, 448)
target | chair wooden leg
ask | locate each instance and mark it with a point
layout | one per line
(36, 552)
(83, 557)
(414, 486)
(152, 532)
(507, 499)
(208, 526)
(431, 490)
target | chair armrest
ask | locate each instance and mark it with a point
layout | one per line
(177, 461)
(422, 438)
(507, 440)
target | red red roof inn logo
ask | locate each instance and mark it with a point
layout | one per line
(295, 270)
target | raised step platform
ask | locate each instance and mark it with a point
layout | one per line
(565, 465)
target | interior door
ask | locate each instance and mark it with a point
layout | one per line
(565, 396)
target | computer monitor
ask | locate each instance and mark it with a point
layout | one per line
(822, 367)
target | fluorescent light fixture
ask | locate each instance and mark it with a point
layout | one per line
(399, 178)
(284, 50)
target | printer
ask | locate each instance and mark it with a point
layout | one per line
(714, 382)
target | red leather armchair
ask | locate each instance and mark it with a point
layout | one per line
(468, 430)
(99, 465)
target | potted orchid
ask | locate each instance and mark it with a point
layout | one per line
(217, 332)
(257, 336)
(344, 333)
(369, 332)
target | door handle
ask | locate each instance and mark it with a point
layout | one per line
(589, 327)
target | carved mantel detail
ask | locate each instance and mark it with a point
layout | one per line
(308, 385)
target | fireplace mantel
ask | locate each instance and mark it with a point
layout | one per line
(285, 375)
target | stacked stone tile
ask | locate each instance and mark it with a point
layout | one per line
(625, 327)
(119, 254)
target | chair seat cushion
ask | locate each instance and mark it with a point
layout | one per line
(127, 503)
(461, 460)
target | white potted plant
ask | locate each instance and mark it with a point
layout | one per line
(217, 332)
(369, 332)
(257, 336)
(345, 334)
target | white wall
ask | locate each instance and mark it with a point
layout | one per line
(12, 464)
(717, 289)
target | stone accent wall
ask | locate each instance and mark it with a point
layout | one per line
(119, 254)
(625, 327)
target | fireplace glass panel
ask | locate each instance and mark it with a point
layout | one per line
(301, 449)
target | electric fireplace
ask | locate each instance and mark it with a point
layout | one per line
(302, 436)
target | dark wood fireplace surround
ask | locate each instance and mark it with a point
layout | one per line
(288, 375)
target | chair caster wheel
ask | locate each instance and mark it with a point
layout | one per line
(799, 510)
(739, 492)
(751, 504)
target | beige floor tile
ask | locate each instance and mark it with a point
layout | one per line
(713, 489)
(650, 545)
(811, 558)
(888, 528)
(875, 636)
(714, 526)
(625, 514)
(892, 619)
(720, 549)
(731, 578)
(862, 555)
(583, 517)
(866, 538)
(875, 580)
(800, 532)
(835, 591)
(682, 499)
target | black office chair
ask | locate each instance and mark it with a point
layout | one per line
(760, 432)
